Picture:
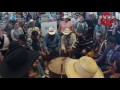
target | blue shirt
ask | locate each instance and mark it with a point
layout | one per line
(51, 43)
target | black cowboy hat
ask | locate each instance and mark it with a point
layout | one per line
(17, 62)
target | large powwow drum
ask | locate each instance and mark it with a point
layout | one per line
(57, 68)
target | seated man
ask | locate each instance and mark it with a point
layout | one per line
(110, 54)
(67, 42)
(23, 42)
(51, 44)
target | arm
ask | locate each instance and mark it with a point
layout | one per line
(86, 26)
(103, 57)
(62, 43)
(45, 43)
(73, 40)
(12, 36)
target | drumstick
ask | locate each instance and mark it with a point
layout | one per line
(62, 66)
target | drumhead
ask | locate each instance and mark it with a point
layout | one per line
(55, 65)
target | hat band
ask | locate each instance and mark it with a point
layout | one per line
(81, 71)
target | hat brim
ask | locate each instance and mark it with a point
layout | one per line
(6, 72)
(70, 72)
(66, 33)
(52, 33)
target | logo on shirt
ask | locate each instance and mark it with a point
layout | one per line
(107, 19)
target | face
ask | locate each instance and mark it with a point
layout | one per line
(90, 17)
(34, 37)
(16, 25)
(81, 19)
(76, 16)
(115, 67)
(99, 23)
(110, 45)
(21, 42)
(32, 24)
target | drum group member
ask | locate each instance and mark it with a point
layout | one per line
(84, 45)
(23, 42)
(65, 24)
(67, 42)
(16, 32)
(32, 28)
(51, 44)
(81, 26)
(111, 53)
(15, 66)
(85, 67)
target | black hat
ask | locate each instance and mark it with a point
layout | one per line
(23, 37)
(34, 33)
(17, 62)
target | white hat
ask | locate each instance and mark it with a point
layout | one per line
(66, 31)
(65, 16)
(51, 31)
(31, 20)
(85, 67)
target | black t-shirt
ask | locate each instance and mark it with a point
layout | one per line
(36, 45)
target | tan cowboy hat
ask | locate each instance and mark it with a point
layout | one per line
(66, 31)
(51, 31)
(85, 67)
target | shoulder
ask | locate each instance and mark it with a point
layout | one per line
(36, 28)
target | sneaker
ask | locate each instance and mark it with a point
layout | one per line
(47, 72)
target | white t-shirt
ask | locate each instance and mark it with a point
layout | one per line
(74, 21)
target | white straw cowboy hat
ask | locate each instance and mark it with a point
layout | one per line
(85, 67)
(66, 31)
(31, 20)
(51, 31)
(65, 16)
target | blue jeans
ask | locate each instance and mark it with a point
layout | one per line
(53, 51)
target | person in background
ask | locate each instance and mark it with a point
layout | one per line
(91, 21)
(38, 68)
(81, 27)
(32, 27)
(99, 32)
(65, 24)
(116, 33)
(67, 42)
(28, 17)
(75, 19)
(16, 32)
